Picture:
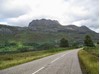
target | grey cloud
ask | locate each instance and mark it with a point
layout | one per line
(10, 11)
(91, 19)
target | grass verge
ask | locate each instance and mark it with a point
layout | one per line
(93, 50)
(8, 60)
(89, 62)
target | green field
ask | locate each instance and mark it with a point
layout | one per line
(89, 60)
(11, 59)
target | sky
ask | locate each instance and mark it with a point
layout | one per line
(77, 12)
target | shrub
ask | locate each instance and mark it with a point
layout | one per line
(64, 43)
(45, 46)
(75, 44)
(23, 49)
(88, 41)
(31, 44)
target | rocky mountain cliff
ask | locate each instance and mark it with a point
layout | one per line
(54, 26)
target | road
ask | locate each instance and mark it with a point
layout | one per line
(62, 63)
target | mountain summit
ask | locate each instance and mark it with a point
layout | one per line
(54, 26)
(44, 25)
(44, 22)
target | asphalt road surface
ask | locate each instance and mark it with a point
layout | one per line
(62, 63)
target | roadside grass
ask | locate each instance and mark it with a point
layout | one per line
(8, 60)
(93, 50)
(89, 62)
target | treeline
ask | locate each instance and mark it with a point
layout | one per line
(87, 42)
(32, 46)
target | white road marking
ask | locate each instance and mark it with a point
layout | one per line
(63, 55)
(38, 70)
(50, 63)
(55, 60)
(58, 58)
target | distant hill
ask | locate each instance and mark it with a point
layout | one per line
(46, 30)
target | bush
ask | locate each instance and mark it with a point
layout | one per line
(88, 41)
(75, 44)
(2, 46)
(64, 43)
(7, 43)
(31, 44)
(12, 44)
(45, 46)
(23, 49)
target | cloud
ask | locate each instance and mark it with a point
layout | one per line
(79, 12)
(84, 12)
(3, 23)
(12, 8)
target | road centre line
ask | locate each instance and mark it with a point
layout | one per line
(38, 70)
(50, 63)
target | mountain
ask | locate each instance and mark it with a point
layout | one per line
(44, 22)
(7, 29)
(45, 30)
(44, 25)
(54, 26)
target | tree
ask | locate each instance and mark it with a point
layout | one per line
(98, 42)
(64, 43)
(88, 41)
(45, 46)
(75, 44)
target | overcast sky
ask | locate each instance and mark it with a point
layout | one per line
(78, 12)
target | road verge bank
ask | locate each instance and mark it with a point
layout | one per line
(89, 63)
